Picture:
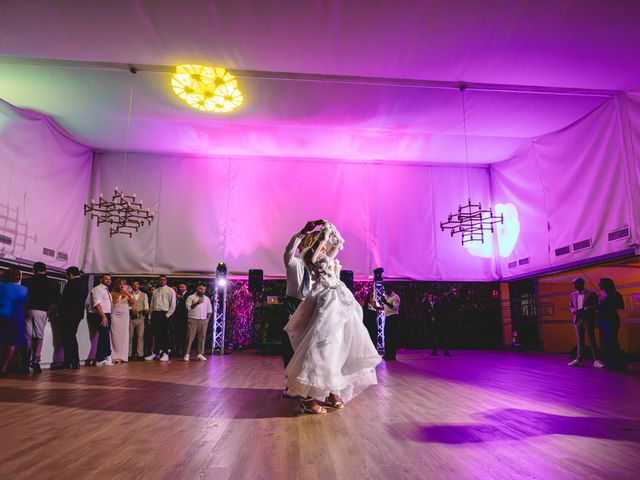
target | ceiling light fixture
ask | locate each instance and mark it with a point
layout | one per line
(206, 88)
(123, 213)
(471, 221)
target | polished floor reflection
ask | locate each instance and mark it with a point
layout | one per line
(474, 415)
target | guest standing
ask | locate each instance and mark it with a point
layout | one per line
(99, 314)
(583, 304)
(44, 293)
(391, 303)
(149, 343)
(370, 312)
(13, 301)
(71, 313)
(121, 301)
(435, 311)
(139, 311)
(610, 301)
(180, 320)
(163, 304)
(199, 312)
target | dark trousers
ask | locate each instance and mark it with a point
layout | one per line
(612, 357)
(148, 337)
(160, 326)
(439, 335)
(69, 340)
(180, 333)
(371, 324)
(586, 326)
(290, 305)
(391, 327)
(104, 338)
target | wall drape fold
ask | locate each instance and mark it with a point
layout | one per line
(44, 182)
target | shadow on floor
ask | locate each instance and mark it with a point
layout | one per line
(515, 424)
(102, 393)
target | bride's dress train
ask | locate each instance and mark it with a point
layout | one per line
(333, 350)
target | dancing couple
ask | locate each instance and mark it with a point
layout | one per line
(333, 358)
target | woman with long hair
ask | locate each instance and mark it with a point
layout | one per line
(333, 358)
(122, 300)
(610, 301)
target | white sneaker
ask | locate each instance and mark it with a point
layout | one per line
(164, 357)
(186, 358)
(598, 364)
(575, 363)
(149, 357)
(109, 359)
(201, 357)
(101, 363)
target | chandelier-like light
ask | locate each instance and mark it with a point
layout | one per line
(210, 89)
(124, 214)
(471, 221)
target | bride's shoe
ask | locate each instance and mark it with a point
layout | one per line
(334, 404)
(304, 407)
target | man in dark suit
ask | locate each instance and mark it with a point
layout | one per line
(436, 314)
(72, 306)
(583, 304)
(180, 320)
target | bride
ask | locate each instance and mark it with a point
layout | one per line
(334, 358)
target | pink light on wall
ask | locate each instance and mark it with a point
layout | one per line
(507, 234)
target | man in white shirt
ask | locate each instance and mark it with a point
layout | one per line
(391, 303)
(163, 304)
(139, 311)
(298, 281)
(583, 304)
(199, 312)
(99, 312)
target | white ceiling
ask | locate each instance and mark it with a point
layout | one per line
(345, 80)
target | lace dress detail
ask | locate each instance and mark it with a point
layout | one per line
(333, 351)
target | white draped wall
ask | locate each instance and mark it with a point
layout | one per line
(243, 211)
(577, 183)
(44, 181)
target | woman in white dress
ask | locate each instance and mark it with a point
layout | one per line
(334, 358)
(121, 300)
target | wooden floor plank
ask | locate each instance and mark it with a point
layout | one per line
(485, 415)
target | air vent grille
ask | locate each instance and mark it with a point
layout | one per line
(6, 240)
(513, 264)
(523, 261)
(562, 251)
(48, 252)
(62, 256)
(618, 234)
(582, 244)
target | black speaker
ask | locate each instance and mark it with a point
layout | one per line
(347, 278)
(255, 281)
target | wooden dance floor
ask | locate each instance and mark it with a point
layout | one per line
(478, 415)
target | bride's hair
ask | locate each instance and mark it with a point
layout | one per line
(309, 239)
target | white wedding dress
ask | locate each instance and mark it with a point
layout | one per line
(333, 351)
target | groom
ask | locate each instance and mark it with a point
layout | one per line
(298, 283)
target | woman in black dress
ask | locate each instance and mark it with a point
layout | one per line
(610, 301)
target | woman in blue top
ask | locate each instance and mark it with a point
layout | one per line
(13, 301)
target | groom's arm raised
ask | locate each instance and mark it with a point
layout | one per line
(293, 244)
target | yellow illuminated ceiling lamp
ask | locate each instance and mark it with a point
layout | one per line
(210, 89)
